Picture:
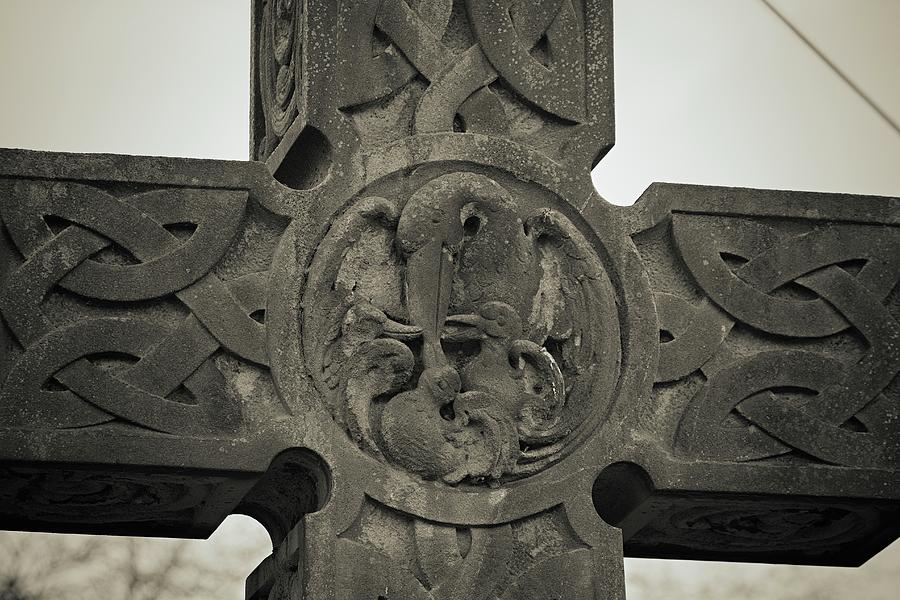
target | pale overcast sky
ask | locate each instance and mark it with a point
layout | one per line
(708, 91)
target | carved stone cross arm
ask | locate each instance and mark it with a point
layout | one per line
(413, 342)
(134, 360)
(774, 404)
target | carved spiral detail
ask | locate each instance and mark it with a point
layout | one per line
(280, 52)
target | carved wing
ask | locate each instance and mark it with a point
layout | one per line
(573, 317)
(363, 269)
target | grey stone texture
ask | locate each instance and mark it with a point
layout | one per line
(412, 341)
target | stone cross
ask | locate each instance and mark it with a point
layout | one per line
(413, 342)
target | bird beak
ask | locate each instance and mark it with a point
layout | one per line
(462, 328)
(399, 331)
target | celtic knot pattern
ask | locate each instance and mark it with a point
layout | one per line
(485, 382)
(507, 35)
(142, 360)
(515, 69)
(776, 340)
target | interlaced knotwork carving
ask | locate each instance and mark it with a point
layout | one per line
(506, 34)
(743, 527)
(96, 497)
(478, 367)
(769, 396)
(514, 69)
(126, 366)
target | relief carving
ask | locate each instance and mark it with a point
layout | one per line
(117, 310)
(523, 70)
(536, 47)
(463, 335)
(98, 497)
(280, 68)
(779, 338)
(410, 558)
(459, 333)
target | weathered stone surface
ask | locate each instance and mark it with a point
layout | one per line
(416, 345)
(134, 362)
(777, 376)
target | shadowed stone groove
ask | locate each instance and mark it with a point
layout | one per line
(412, 341)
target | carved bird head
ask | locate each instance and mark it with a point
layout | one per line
(521, 377)
(365, 321)
(497, 259)
(362, 323)
(441, 383)
(494, 320)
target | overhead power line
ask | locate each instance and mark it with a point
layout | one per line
(859, 91)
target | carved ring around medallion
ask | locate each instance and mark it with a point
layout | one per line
(458, 332)
(468, 330)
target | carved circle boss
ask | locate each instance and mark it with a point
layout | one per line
(461, 327)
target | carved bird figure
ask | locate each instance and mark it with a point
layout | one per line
(460, 225)
(444, 434)
(363, 322)
(378, 368)
(415, 429)
(522, 378)
(367, 360)
(435, 431)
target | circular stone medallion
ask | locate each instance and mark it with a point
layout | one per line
(461, 326)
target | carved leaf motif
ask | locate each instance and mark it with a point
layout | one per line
(407, 557)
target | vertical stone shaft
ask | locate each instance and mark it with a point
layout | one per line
(448, 145)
